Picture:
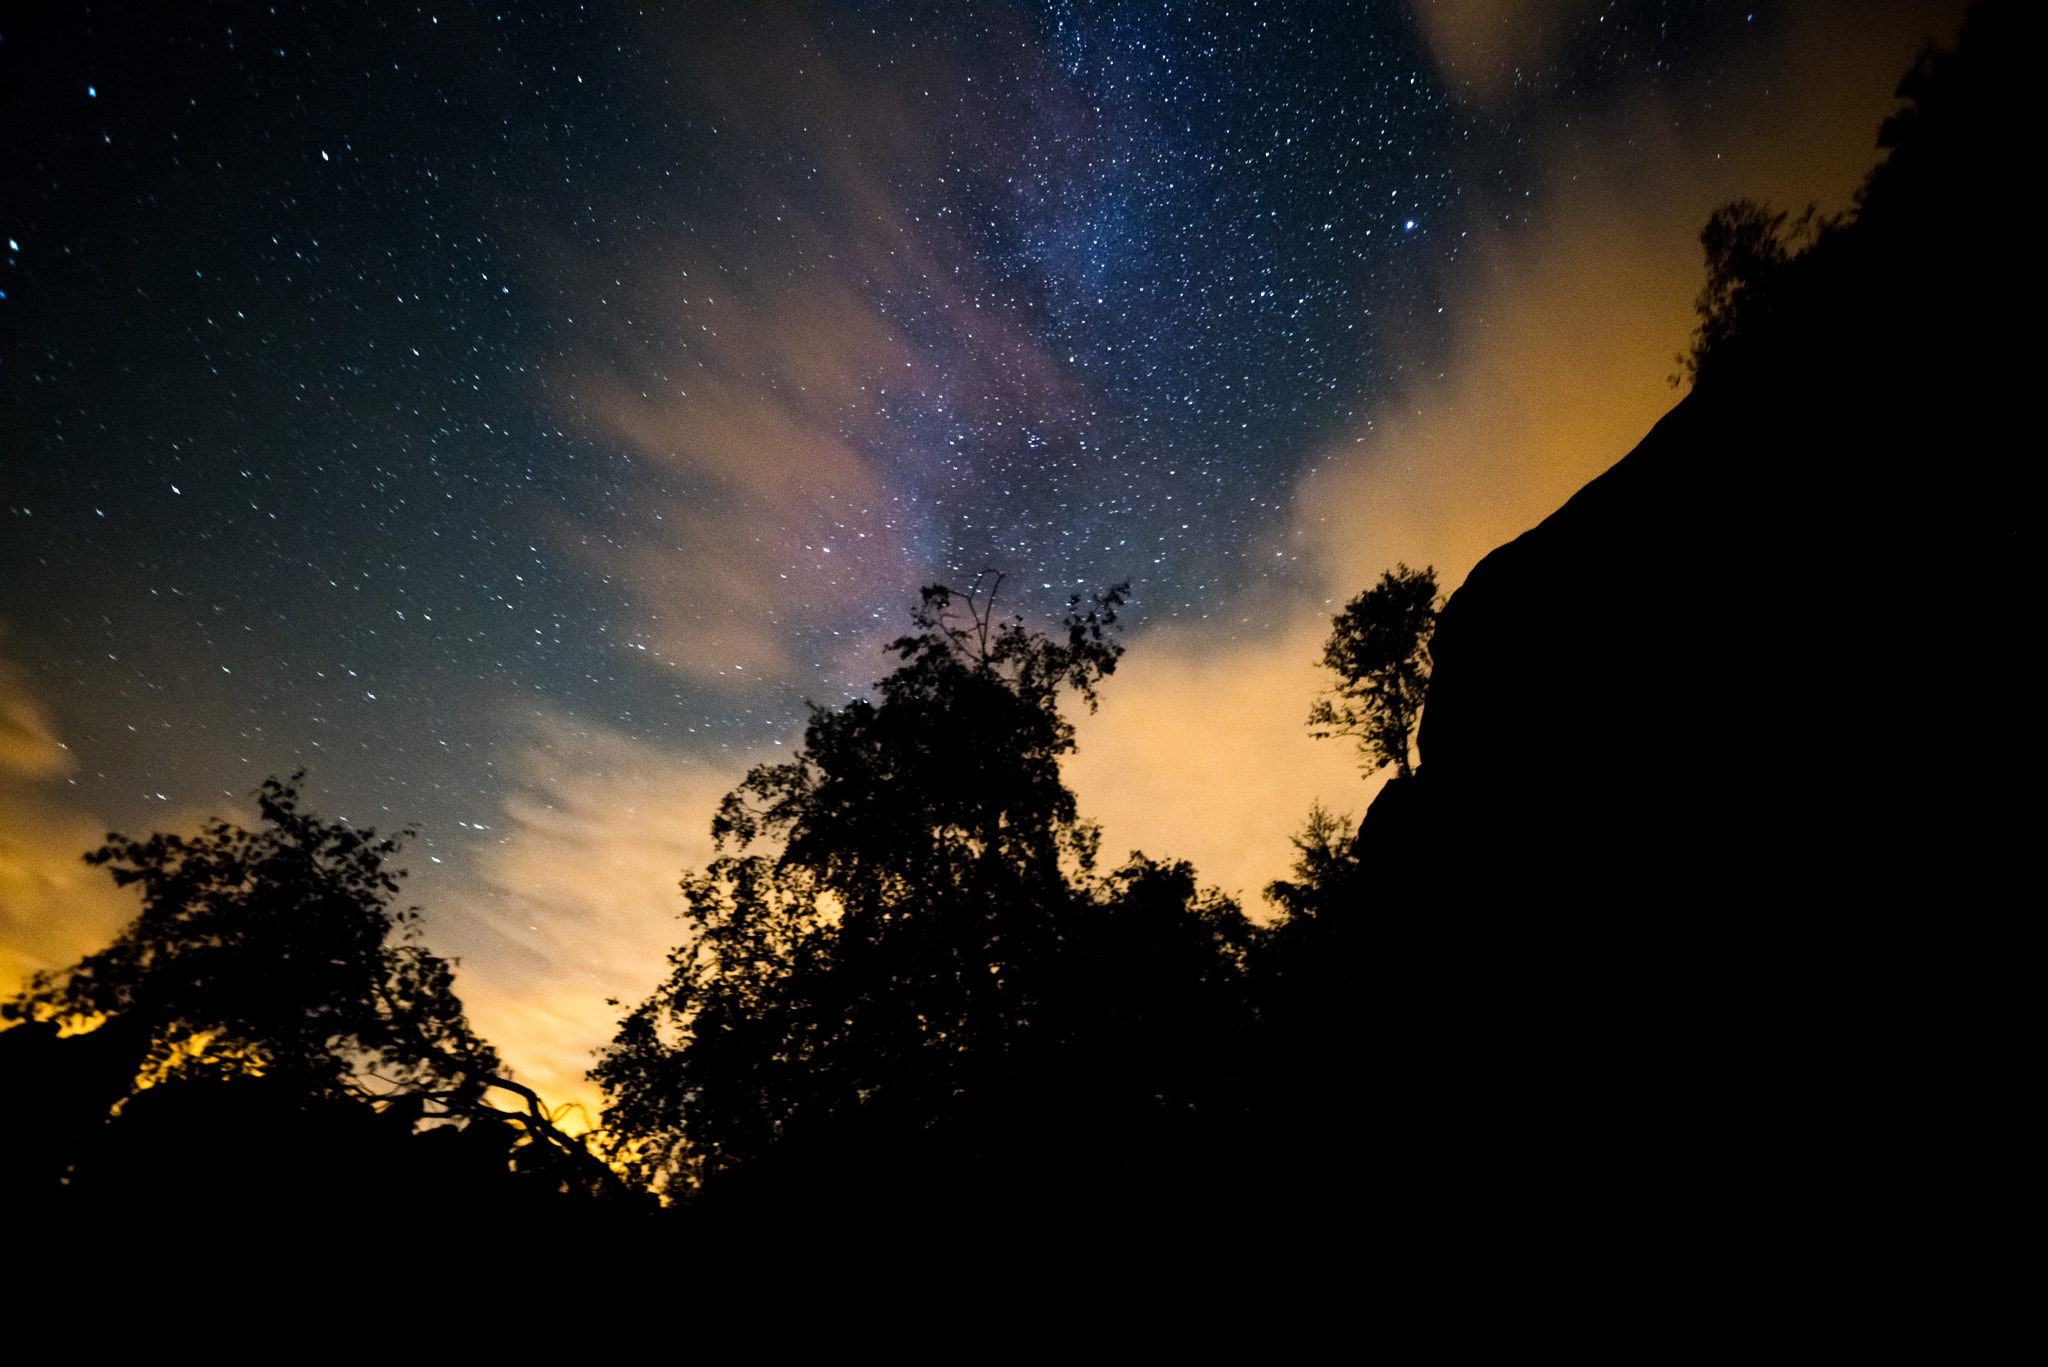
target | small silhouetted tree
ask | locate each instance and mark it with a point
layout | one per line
(1751, 252)
(1379, 650)
(1324, 861)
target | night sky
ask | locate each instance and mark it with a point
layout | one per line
(514, 416)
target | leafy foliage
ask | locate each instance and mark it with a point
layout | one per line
(1750, 256)
(264, 952)
(270, 954)
(1379, 649)
(1324, 859)
(902, 924)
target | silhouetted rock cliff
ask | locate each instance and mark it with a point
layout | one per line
(1761, 644)
(1714, 817)
(1750, 647)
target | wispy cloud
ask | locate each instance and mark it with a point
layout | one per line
(577, 899)
(1201, 752)
(795, 367)
(54, 908)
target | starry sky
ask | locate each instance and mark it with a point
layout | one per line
(514, 415)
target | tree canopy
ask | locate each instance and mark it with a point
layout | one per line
(1751, 253)
(1379, 650)
(277, 954)
(902, 927)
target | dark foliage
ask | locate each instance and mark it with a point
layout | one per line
(268, 975)
(267, 953)
(1325, 859)
(1379, 650)
(903, 947)
(1751, 255)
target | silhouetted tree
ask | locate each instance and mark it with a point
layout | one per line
(1323, 860)
(901, 941)
(1379, 649)
(1751, 252)
(271, 955)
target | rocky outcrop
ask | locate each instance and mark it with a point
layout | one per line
(1720, 667)
(1715, 825)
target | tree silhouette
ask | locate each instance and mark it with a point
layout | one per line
(1324, 859)
(1379, 649)
(902, 942)
(270, 955)
(1751, 252)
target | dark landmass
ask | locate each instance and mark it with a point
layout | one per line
(1706, 871)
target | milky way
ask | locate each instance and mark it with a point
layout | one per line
(289, 292)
